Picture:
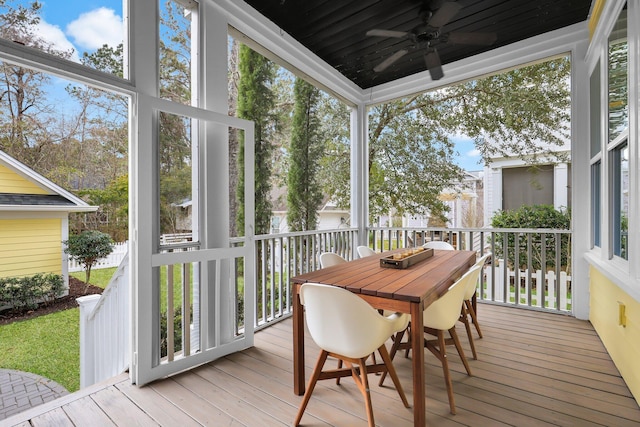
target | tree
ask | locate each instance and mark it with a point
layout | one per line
(256, 103)
(87, 248)
(112, 214)
(521, 113)
(25, 115)
(304, 194)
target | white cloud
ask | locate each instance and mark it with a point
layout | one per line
(54, 35)
(96, 28)
(473, 153)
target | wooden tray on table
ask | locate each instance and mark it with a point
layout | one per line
(417, 255)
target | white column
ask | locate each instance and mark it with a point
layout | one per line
(560, 186)
(360, 171)
(492, 193)
(143, 69)
(214, 180)
(580, 181)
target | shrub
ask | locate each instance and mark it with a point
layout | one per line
(537, 216)
(87, 248)
(25, 293)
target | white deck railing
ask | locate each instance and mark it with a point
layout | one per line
(105, 322)
(105, 329)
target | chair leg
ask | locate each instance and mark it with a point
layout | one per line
(474, 317)
(464, 318)
(440, 351)
(360, 377)
(456, 342)
(392, 371)
(394, 348)
(312, 384)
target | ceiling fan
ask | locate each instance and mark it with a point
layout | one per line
(425, 35)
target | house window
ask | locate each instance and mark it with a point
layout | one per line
(527, 186)
(595, 203)
(596, 148)
(618, 129)
(620, 199)
(617, 78)
(175, 63)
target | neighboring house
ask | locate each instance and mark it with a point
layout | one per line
(510, 183)
(330, 216)
(465, 202)
(33, 221)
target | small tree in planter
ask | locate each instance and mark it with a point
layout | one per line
(87, 248)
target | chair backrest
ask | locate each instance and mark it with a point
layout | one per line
(473, 284)
(365, 251)
(342, 322)
(439, 244)
(444, 312)
(327, 259)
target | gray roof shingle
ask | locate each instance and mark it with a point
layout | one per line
(34, 200)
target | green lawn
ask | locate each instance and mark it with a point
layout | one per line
(48, 345)
(99, 277)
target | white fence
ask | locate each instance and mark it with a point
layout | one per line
(105, 329)
(535, 289)
(112, 260)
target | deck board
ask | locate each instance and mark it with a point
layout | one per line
(533, 369)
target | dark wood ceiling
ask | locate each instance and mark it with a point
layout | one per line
(335, 30)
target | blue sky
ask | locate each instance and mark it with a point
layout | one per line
(85, 25)
(82, 25)
(468, 157)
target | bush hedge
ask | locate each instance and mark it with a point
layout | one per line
(531, 217)
(26, 293)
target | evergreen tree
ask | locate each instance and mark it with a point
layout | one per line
(256, 103)
(303, 190)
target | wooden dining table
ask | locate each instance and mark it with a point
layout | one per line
(409, 290)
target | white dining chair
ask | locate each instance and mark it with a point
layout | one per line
(439, 317)
(364, 251)
(327, 259)
(438, 244)
(468, 313)
(346, 327)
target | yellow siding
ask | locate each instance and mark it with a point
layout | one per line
(622, 343)
(11, 182)
(30, 246)
(596, 12)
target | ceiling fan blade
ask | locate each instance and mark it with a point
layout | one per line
(390, 60)
(443, 15)
(479, 39)
(432, 59)
(387, 33)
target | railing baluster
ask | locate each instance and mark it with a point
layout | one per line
(186, 310)
(558, 242)
(170, 314)
(543, 267)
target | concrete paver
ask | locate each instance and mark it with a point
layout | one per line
(20, 391)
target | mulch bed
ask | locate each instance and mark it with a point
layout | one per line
(76, 289)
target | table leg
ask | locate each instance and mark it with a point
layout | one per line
(298, 343)
(417, 356)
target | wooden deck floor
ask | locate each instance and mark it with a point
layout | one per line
(533, 369)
